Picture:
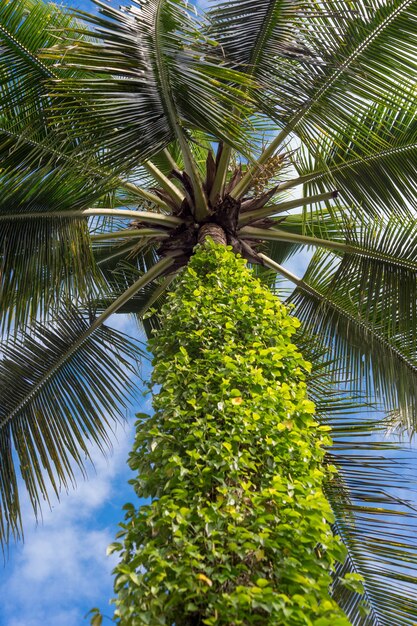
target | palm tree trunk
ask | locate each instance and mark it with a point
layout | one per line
(213, 231)
(238, 529)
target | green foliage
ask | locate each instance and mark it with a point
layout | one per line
(96, 617)
(238, 529)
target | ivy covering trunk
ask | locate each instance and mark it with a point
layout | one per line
(237, 529)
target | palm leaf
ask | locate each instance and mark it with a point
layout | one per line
(360, 106)
(43, 259)
(375, 524)
(170, 74)
(363, 63)
(172, 157)
(357, 103)
(28, 136)
(121, 271)
(379, 361)
(61, 389)
(373, 521)
(264, 40)
(281, 252)
(374, 170)
(377, 260)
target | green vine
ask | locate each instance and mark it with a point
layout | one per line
(237, 531)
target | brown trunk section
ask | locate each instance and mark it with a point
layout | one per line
(214, 231)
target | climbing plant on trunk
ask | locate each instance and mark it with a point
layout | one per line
(238, 530)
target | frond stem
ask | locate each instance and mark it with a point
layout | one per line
(273, 209)
(121, 250)
(169, 221)
(143, 193)
(136, 233)
(221, 173)
(158, 291)
(165, 183)
(201, 206)
(276, 234)
(172, 162)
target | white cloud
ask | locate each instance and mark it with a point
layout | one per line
(62, 571)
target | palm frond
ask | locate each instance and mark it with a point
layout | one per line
(120, 269)
(43, 260)
(380, 269)
(358, 102)
(372, 496)
(381, 362)
(172, 158)
(373, 500)
(31, 139)
(384, 243)
(355, 604)
(365, 49)
(141, 96)
(28, 137)
(373, 169)
(61, 390)
(264, 40)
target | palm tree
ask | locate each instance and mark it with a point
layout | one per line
(273, 126)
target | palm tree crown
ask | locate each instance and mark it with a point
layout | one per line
(280, 126)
